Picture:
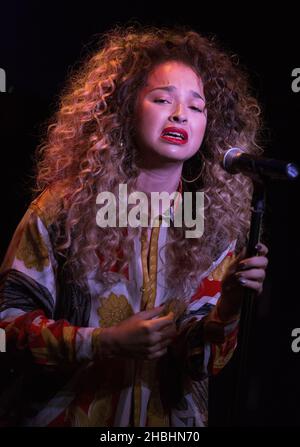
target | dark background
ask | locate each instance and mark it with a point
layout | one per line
(38, 46)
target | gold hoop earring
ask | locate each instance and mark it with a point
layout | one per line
(194, 179)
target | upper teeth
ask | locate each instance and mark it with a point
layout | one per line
(174, 134)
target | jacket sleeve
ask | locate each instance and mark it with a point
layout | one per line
(28, 294)
(205, 343)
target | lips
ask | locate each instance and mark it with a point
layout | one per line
(175, 135)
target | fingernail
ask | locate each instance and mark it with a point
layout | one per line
(242, 281)
(258, 246)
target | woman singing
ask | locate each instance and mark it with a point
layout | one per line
(122, 325)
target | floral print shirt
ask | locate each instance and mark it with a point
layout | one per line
(53, 324)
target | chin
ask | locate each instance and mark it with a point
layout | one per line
(180, 154)
(170, 155)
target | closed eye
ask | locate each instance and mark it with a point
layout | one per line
(197, 109)
(162, 101)
(165, 101)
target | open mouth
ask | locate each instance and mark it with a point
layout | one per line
(174, 135)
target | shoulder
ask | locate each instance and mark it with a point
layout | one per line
(48, 205)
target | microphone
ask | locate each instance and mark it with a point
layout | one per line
(237, 161)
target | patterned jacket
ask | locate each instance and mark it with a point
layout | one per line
(50, 325)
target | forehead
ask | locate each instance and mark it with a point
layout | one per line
(174, 73)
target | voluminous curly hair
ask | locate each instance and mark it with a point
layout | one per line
(90, 147)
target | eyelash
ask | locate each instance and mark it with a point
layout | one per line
(162, 101)
(196, 108)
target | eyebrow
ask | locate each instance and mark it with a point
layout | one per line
(171, 88)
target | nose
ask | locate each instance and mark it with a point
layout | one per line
(178, 115)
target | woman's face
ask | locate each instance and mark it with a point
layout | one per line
(170, 113)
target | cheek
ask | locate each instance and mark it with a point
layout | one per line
(144, 115)
(150, 120)
(200, 130)
(146, 126)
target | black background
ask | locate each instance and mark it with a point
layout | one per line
(40, 42)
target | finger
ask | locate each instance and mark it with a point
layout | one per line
(149, 314)
(262, 249)
(157, 354)
(251, 284)
(254, 262)
(167, 342)
(252, 274)
(158, 345)
(241, 254)
(156, 337)
(162, 322)
(166, 335)
(169, 332)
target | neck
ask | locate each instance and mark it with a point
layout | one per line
(159, 179)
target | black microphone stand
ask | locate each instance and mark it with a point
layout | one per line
(260, 182)
(239, 394)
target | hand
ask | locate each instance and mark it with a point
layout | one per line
(252, 271)
(249, 273)
(144, 335)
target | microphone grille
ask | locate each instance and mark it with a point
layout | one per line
(229, 158)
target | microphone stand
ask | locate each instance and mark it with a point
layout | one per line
(254, 169)
(239, 394)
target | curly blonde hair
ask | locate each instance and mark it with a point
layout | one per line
(90, 147)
